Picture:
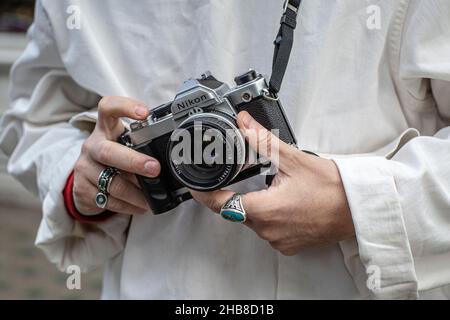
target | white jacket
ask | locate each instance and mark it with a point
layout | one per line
(365, 77)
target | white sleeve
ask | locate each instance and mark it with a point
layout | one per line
(401, 205)
(42, 133)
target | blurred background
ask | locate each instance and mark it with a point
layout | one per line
(25, 273)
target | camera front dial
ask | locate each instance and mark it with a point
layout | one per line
(207, 151)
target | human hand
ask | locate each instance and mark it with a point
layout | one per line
(306, 205)
(101, 150)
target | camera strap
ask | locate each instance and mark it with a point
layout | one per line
(283, 44)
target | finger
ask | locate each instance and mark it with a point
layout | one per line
(111, 109)
(119, 206)
(265, 143)
(85, 200)
(92, 169)
(254, 203)
(131, 178)
(214, 200)
(123, 186)
(126, 191)
(113, 154)
(83, 193)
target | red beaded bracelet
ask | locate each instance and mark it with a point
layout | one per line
(72, 210)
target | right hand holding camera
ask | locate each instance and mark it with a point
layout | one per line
(101, 150)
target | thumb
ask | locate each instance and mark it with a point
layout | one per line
(265, 142)
(254, 203)
(111, 109)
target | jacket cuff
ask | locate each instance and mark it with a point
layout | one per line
(69, 203)
(386, 262)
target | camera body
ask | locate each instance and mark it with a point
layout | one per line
(202, 105)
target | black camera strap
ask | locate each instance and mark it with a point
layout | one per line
(283, 46)
(283, 43)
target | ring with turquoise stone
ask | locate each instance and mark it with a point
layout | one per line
(101, 200)
(233, 210)
(104, 179)
(103, 183)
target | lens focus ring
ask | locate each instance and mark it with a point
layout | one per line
(228, 162)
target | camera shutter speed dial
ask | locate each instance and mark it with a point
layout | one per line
(246, 77)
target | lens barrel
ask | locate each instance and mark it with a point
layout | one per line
(207, 151)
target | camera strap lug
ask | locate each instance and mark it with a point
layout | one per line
(269, 95)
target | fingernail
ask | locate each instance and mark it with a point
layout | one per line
(151, 167)
(141, 111)
(248, 121)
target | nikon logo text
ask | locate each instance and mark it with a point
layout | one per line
(191, 102)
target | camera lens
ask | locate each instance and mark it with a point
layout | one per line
(206, 152)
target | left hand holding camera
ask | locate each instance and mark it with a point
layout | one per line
(305, 206)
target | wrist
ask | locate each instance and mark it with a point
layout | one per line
(331, 192)
(326, 180)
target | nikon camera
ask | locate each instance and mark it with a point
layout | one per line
(181, 135)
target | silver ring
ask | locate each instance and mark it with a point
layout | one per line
(105, 177)
(110, 179)
(233, 210)
(103, 183)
